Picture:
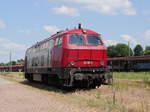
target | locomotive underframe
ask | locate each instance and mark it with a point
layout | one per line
(70, 77)
(88, 76)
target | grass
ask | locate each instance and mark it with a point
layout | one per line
(20, 74)
(136, 76)
(127, 94)
(12, 76)
(132, 75)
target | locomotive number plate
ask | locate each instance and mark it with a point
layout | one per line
(88, 62)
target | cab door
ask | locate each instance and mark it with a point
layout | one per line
(57, 52)
(50, 54)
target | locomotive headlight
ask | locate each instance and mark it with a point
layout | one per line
(102, 62)
(72, 63)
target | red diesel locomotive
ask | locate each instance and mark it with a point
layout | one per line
(69, 58)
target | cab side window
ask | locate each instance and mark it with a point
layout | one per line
(58, 41)
(51, 44)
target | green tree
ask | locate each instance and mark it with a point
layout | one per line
(2, 64)
(20, 61)
(13, 62)
(112, 51)
(147, 48)
(119, 50)
(138, 50)
(147, 51)
(123, 50)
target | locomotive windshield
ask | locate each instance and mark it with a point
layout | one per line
(80, 40)
(76, 39)
(94, 40)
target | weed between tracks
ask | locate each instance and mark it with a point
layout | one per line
(127, 94)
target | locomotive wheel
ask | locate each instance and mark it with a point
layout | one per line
(90, 83)
(30, 77)
(45, 78)
(53, 80)
(93, 86)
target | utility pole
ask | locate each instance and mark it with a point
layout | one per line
(129, 47)
(10, 65)
(128, 65)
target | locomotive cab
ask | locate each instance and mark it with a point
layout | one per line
(85, 58)
(85, 50)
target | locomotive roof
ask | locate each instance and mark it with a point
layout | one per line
(88, 31)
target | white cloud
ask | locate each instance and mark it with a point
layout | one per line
(3, 52)
(51, 29)
(8, 45)
(110, 42)
(27, 32)
(147, 35)
(146, 12)
(4, 56)
(112, 7)
(129, 38)
(66, 11)
(129, 12)
(18, 50)
(2, 24)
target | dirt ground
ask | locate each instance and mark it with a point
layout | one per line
(18, 95)
(17, 98)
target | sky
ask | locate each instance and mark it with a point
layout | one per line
(25, 22)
